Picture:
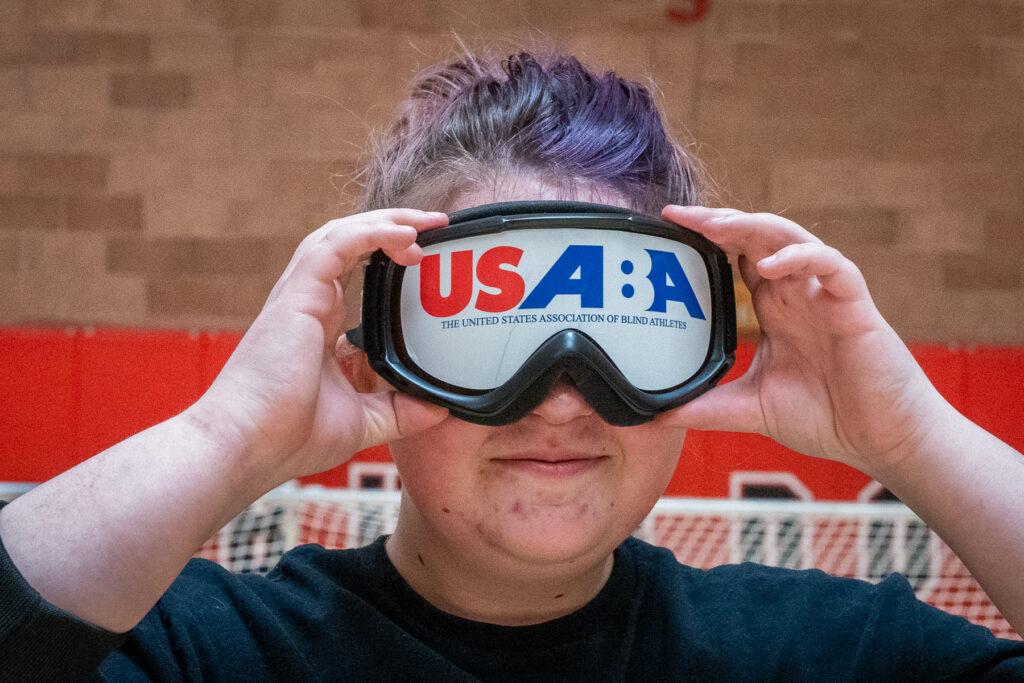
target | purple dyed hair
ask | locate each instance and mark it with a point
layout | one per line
(480, 119)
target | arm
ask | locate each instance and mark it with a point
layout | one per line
(968, 485)
(105, 539)
(831, 378)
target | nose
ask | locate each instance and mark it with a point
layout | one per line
(564, 403)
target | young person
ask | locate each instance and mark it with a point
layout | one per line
(511, 558)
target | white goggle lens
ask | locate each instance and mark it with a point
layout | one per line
(476, 308)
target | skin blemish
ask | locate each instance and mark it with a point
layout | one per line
(445, 510)
(560, 595)
(517, 507)
(421, 559)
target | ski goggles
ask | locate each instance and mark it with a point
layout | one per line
(509, 298)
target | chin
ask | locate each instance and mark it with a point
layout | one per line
(546, 534)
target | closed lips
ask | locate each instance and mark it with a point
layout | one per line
(551, 457)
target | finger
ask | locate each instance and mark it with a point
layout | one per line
(836, 273)
(753, 234)
(390, 415)
(312, 287)
(334, 321)
(748, 272)
(730, 407)
(409, 256)
(339, 250)
(420, 220)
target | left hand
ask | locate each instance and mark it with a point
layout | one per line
(830, 377)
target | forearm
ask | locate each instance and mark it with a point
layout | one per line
(968, 486)
(105, 539)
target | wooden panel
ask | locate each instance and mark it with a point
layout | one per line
(132, 380)
(67, 396)
(947, 369)
(217, 348)
(38, 395)
(995, 392)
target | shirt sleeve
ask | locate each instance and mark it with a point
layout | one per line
(780, 624)
(40, 641)
(900, 637)
(951, 647)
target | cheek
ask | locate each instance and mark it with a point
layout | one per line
(438, 465)
(653, 453)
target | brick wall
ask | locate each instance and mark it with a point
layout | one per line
(159, 160)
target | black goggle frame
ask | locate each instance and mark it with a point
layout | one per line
(569, 352)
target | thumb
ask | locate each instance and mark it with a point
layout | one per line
(390, 415)
(731, 407)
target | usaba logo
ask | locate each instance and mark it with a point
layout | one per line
(509, 292)
(578, 272)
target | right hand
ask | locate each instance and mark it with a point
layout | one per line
(281, 392)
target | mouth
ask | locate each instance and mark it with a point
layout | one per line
(551, 464)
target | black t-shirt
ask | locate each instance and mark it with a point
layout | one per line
(348, 615)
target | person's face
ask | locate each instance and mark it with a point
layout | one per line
(558, 485)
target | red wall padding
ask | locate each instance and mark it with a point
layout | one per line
(68, 394)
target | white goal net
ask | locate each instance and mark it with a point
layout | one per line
(858, 540)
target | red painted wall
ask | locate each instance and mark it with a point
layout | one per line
(68, 394)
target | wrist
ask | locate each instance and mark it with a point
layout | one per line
(252, 470)
(930, 434)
